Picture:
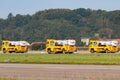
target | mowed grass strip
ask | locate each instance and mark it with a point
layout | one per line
(106, 59)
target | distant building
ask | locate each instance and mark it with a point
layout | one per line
(85, 40)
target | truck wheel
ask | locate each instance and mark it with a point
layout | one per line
(106, 50)
(92, 50)
(63, 51)
(70, 52)
(9, 52)
(49, 51)
(4, 51)
(16, 51)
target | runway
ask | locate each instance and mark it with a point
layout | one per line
(60, 72)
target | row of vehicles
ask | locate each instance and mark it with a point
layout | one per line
(61, 46)
(52, 46)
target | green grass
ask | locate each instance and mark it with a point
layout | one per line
(107, 59)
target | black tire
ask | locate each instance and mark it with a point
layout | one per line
(23, 52)
(63, 51)
(4, 51)
(92, 51)
(49, 51)
(16, 51)
(70, 52)
(10, 52)
(106, 51)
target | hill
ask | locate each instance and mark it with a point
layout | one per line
(61, 24)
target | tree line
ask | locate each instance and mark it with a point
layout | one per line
(61, 24)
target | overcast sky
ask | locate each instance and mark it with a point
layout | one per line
(32, 6)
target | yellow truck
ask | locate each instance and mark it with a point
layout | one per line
(103, 46)
(14, 46)
(60, 46)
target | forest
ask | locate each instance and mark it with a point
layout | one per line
(61, 24)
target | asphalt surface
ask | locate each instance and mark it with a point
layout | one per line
(44, 52)
(60, 72)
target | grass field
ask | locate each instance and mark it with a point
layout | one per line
(106, 59)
